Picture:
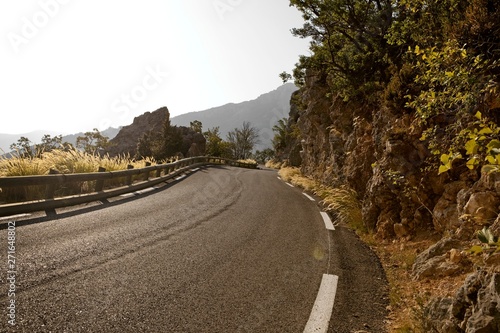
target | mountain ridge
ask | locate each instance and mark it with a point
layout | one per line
(262, 112)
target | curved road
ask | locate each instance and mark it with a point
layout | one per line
(221, 250)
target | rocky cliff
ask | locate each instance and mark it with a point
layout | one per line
(378, 152)
(126, 141)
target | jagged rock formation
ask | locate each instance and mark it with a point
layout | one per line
(475, 307)
(125, 142)
(378, 152)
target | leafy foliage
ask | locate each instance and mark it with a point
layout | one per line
(242, 141)
(347, 42)
(216, 146)
(92, 142)
(27, 149)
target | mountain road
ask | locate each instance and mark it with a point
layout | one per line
(221, 249)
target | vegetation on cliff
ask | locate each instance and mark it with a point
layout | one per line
(398, 103)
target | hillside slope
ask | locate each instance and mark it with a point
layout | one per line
(402, 107)
(263, 113)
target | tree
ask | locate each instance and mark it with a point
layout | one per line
(92, 142)
(24, 147)
(280, 139)
(50, 143)
(348, 43)
(215, 146)
(172, 139)
(196, 126)
(150, 145)
(262, 156)
(242, 140)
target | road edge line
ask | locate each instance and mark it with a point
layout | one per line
(328, 222)
(308, 196)
(323, 305)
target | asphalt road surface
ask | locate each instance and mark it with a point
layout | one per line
(221, 250)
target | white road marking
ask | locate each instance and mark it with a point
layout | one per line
(308, 196)
(279, 178)
(14, 217)
(127, 195)
(323, 306)
(195, 169)
(289, 184)
(180, 177)
(146, 190)
(328, 222)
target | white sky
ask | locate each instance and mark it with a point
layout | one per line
(72, 65)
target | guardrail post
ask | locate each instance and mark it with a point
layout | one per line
(51, 188)
(99, 183)
(146, 177)
(158, 172)
(128, 181)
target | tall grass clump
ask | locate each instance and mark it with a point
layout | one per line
(295, 177)
(343, 202)
(274, 164)
(65, 162)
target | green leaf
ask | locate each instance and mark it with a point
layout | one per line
(444, 158)
(486, 130)
(486, 236)
(488, 168)
(478, 115)
(471, 147)
(476, 249)
(491, 159)
(493, 144)
(443, 168)
(471, 164)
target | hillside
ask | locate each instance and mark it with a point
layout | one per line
(399, 107)
(262, 112)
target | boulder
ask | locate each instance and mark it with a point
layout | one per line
(436, 261)
(482, 206)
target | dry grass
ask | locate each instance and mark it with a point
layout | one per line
(342, 202)
(272, 164)
(295, 177)
(72, 161)
(248, 161)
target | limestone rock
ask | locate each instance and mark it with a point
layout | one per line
(445, 212)
(440, 248)
(436, 267)
(436, 262)
(482, 206)
(474, 308)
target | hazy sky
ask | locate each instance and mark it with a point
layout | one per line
(72, 65)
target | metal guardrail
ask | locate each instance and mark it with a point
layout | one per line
(162, 172)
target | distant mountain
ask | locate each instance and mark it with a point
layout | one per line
(263, 113)
(36, 137)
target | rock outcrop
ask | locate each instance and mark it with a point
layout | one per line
(377, 151)
(474, 309)
(125, 142)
